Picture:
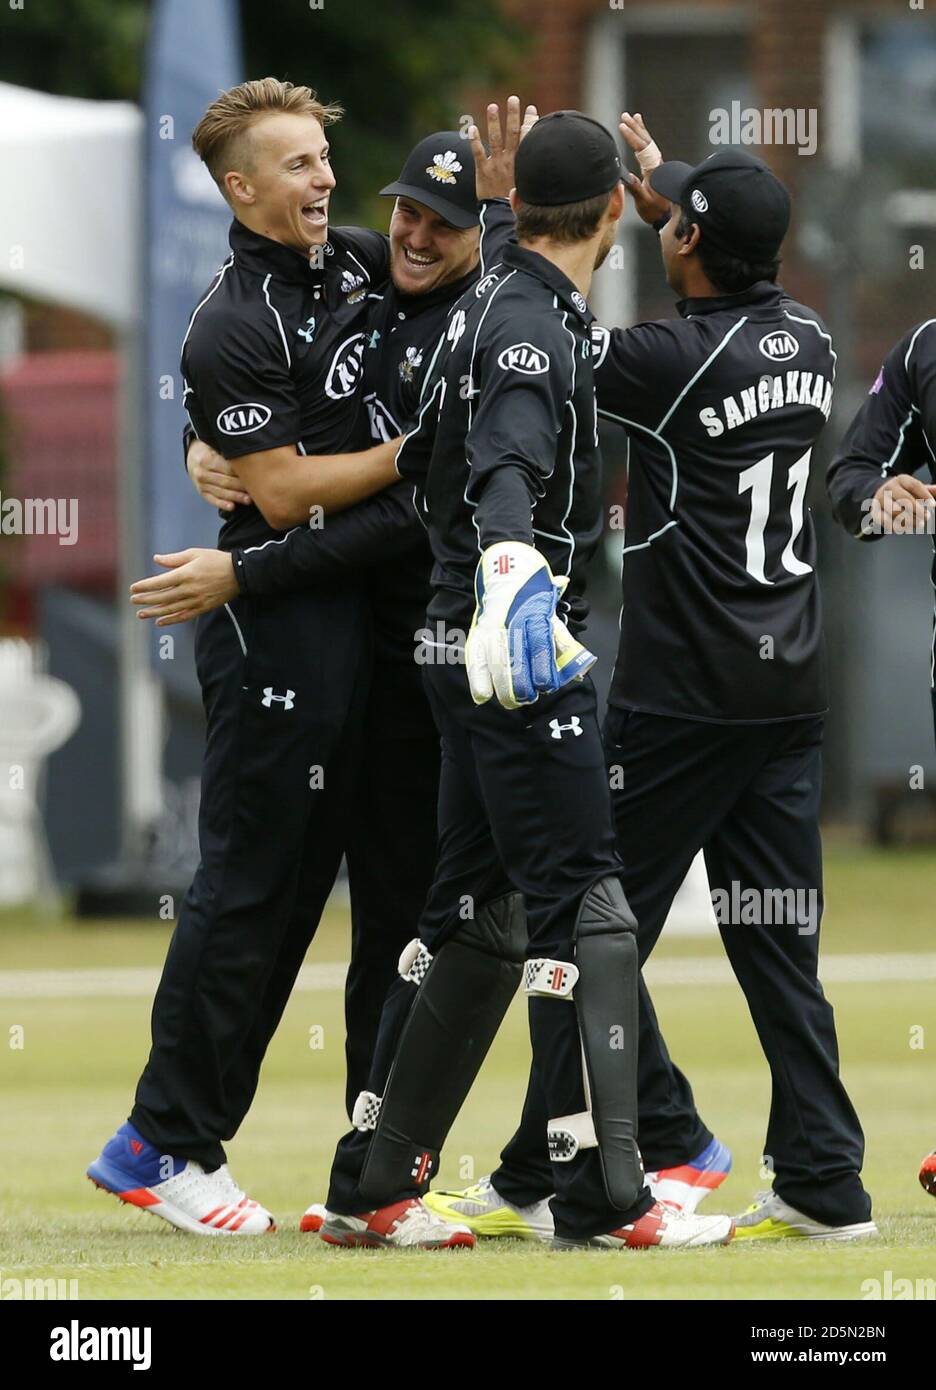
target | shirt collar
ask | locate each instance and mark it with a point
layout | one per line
(519, 258)
(763, 294)
(265, 256)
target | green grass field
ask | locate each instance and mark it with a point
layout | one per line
(70, 1084)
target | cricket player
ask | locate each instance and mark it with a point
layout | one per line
(436, 250)
(874, 479)
(272, 370)
(528, 878)
(439, 236)
(715, 718)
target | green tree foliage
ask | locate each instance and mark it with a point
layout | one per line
(78, 48)
(397, 66)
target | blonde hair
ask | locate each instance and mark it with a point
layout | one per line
(219, 138)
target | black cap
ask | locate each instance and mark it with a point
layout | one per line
(566, 158)
(439, 173)
(740, 205)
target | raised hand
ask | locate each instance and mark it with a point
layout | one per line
(494, 171)
(649, 204)
(641, 141)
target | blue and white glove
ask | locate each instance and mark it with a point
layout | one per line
(518, 649)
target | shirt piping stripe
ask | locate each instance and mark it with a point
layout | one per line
(216, 286)
(428, 372)
(654, 434)
(822, 334)
(705, 366)
(274, 540)
(279, 321)
(415, 430)
(913, 340)
(481, 242)
(898, 447)
(363, 268)
(240, 635)
(570, 404)
(474, 348)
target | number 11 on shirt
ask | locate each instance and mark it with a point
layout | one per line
(757, 480)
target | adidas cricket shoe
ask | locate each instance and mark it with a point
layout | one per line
(660, 1226)
(404, 1225)
(928, 1173)
(684, 1187)
(770, 1218)
(207, 1204)
(482, 1209)
(313, 1218)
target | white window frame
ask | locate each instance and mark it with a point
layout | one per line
(614, 298)
(842, 94)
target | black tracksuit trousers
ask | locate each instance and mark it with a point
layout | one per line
(748, 795)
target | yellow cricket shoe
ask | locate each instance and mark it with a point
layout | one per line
(482, 1209)
(770, 1218)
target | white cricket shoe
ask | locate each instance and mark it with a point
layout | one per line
(770, 1218)
(660, 1226)
(206, 1204)
(313, 1218)
(485, 1212)
(407, 1224)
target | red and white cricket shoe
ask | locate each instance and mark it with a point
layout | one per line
(180, 1191)
(684, 1187)
(313, 1218)
(660, 1226)
(404, 1225)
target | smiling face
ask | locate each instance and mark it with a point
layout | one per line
(283, 188)
(426, 251)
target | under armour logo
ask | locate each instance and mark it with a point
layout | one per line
(574, 726)
(307, 333)
(286, 700)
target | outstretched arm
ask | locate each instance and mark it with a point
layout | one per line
(377, 531)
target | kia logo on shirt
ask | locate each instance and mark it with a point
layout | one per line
(345, 370)
(524, 357)
(779, 346)
(243, 419)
